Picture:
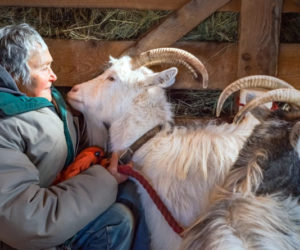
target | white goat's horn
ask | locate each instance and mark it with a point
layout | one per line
(255, 81)
(173, 56)
(278, 95)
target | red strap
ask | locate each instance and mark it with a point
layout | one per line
(126, 169)
(274, 106)
(238, 102)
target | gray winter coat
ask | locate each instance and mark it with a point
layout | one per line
(33, 213)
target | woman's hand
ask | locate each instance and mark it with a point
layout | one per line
(113, 169)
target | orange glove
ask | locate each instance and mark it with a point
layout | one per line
(83, 161)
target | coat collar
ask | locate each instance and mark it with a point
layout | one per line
(7, 83)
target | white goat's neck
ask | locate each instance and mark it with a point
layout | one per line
(97, 135)
(134, 123)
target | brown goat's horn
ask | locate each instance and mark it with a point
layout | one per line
(256, 81)
(279, 95)
(173, 56)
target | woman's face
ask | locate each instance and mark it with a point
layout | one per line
(41, 75)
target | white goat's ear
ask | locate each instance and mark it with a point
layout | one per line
(112, 59)
(164, 78)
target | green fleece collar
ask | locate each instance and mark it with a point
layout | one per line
(11, 105)
(62, 109)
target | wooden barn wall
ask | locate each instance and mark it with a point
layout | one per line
(257, 52)
(233, 5)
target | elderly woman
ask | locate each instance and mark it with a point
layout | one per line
(38, 138)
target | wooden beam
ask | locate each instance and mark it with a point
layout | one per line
(131, 4)
(290, 6)
(259, 37)
(289, 64)
(220, 60)
(233, 5)
(79, 61)
(176, 25)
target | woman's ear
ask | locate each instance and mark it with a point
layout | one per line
(20, 86)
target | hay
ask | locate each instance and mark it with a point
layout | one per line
(197, 103)
(219, 27)
(120, 24)
(113, 24)
(83, 23)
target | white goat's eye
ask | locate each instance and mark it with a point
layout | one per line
(110, 78)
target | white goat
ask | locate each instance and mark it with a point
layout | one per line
(184, 164)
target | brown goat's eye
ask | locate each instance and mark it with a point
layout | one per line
(110, 78)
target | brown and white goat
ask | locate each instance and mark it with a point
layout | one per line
(257, 207)
(183, 164)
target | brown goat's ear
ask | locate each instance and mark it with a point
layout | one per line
(294, 135)
(261, 113)
(164, 78)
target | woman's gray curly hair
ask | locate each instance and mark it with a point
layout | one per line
(17, 42)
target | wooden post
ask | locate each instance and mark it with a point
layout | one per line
(259, 40)
(297, 2)
(259, 37)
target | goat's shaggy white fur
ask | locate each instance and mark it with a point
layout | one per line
(240, 222)
(183, 164)
(257, 206)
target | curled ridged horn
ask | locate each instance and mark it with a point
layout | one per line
(256, 81)
(278, 95)
(173, 56)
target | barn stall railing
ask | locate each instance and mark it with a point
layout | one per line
(257, 51)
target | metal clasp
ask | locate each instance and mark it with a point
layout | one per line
(126, 156)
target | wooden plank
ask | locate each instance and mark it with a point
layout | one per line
(259, 37)
(176, 25)
(131, 4)
(291, 6)
(289, 64)
(233, 5)
(220, 60)
(79, 61)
